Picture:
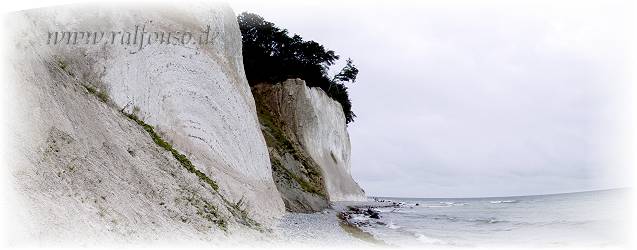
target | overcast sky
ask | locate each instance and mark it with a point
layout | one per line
(463, 100)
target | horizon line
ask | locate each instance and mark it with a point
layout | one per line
(528, 195)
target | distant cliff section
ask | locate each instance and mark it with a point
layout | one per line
(304, 123)
(309, 145)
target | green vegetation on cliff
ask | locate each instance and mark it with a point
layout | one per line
(205, 209)
(277, 139)
(270, 56)
(183, 160)
(237, 209)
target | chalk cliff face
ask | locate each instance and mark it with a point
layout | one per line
(297, 176)
(317, 123)
(86, 168)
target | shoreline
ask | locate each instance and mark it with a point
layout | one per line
(330, 227)
(323, 229)
(355, 231)
(347, 212)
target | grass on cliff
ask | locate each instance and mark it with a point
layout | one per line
(100, 94)
(306, 186)
(237, 209)
(183, 160)
(276, 138)
(207, 211)
(63, 66)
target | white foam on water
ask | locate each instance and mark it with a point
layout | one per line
(391, 225)
(503, 201)
(428, 240)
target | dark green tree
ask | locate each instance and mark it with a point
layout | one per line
(348, 73)
(271, 55)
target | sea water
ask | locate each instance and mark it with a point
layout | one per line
(586, 219)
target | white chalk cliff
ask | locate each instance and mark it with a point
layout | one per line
(318, 124)
(90, 124)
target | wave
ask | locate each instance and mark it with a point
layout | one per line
(487, 220)
(556, 223)
(435, 206)
(503, 201)
(428, 240)
(452, 203)
(480, 220)
(391, 225)
(440, 217)
(445, 204)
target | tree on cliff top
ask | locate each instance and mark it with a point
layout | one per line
(270, 55)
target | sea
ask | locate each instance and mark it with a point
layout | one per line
(585, 219)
